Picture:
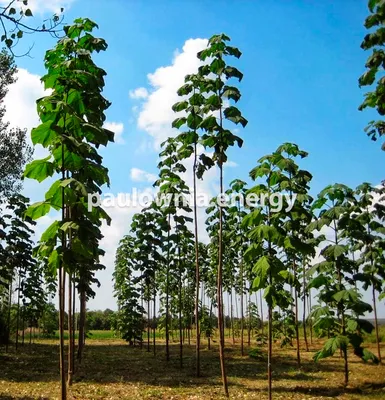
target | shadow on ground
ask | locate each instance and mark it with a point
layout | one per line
(119, 363)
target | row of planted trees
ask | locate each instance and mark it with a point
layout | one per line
(24, 289)
(25, 286)
(267, 246)
(253, 248)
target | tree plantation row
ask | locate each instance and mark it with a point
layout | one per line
(168, 279)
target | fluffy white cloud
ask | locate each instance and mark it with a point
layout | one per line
(42, 6)
(138, 175)
(117, 128)
(156, 114)
(139, 93)
(20, 101)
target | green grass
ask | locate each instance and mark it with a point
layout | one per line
(113, 370)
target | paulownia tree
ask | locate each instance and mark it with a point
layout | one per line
(270, 231)
(366, 229)
(375, 42)
(337, 315)
(130, 312)
(189, 140)
(71, 128)
(219, 138)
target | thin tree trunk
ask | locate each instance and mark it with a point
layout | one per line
(296, 314)
(73, 325)
(219, 289)
(167, 291)
(23, 333)
(61, 330)
(18, 313)
(70, 333)
(180, 311)
(141, 333)
(148, 325)
(261, 311)
(154, 321)
(311, 321)
(242, 327)
(270, 351)
(82, 325)
(376, 323)
(9, 317)
(249, 324)
(304, 307)
(197, 272)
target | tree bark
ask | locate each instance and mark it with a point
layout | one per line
(304, 307)
(296, 314)
(18, 313)
(376, 324)
(220, 292)
(82, 325)
(70, 333)
(197, 272)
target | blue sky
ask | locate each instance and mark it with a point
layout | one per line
(301, 62)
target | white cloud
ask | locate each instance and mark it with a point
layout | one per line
(117, 128)
(20, 101)
(139, 93)
(42, 6)
(156, 115)
(138, 175)
(230, 164)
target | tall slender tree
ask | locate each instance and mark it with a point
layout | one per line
(219, 138)
(72, 118)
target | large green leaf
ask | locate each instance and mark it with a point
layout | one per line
(37, 210)
(39, 169)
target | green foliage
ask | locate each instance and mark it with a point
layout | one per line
(374, 41)
(14, 149)
(14, 18)
(129, 320)
(71, 128)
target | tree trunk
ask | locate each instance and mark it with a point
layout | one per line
(73, 324)
(261, 311)
(154, 321)
(249, 324)
(82, 325)
(270, 351)
(242, 349)
(167, 295)
(148, 325)
(70, 333)
(61, 330)
(376, 323)
(197, 272)
(180, 312)
(23, 332)
(7, 339)
(311, 321)
(18, 313)
(219, 291)
(304, 307)
(232, 316)
(296, 314)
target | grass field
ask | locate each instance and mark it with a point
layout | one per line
(113, 370)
